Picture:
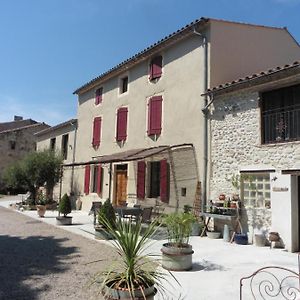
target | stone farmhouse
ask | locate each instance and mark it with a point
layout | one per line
(16, 140)
(255, 131)
(141, 133)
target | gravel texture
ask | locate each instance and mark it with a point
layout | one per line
(40, 261)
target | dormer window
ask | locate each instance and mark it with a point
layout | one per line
(124, 85)
(98, 96)
(155, 69)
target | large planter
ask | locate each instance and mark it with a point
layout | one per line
(112, 294)
(177, 258)
(241, 238)
(260, 240)
(64, 220)
(196, 229)
(102, 234)
(41, 210)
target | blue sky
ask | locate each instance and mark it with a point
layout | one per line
(49, 48)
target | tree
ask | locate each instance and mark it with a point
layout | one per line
(65, 205)
(42, 168)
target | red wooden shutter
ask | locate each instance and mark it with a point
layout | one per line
(99, 180)
(164, 189)
(87, 175)
(122, 124)
(98, 98)
(154, 115)
(96, 132)
(155, 67)
(141, 171)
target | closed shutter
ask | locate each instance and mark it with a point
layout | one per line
(122, 124)
(155, 67)
(98, 98)
(96, 132)
(87, 175)
(99, 180)
(155, 115)
(141, 172)
(164, 181)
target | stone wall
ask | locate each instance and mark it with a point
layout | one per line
(236, 145)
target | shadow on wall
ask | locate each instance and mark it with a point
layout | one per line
(25, 259)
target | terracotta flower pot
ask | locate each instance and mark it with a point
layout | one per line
(222, 197)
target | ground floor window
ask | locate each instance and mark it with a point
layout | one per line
(255, 190)
(154, 180)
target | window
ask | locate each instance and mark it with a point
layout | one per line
(12, 145)
(154, 187)
(121, 133)
(52, 144)
(281, 115)
(159, 180)
(255, 190)
(64, 146)
(154, 115)
(155, 69)
(96, 132)
(97, 179)
(124, 85)
(98, 96)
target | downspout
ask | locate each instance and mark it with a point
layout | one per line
(110, 182)
(205, 143)
(73, 158)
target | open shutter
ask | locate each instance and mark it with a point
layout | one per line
(87, 175)
(141, 172)
(164, 181)
(99, 180)
(122, 124)
(155, 67)
(96, 132)
(155, 115)
(98, 98)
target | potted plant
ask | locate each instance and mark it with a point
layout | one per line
(177, 253)
(41, 204)
(136, 275)
(107, 213)
(64, 208)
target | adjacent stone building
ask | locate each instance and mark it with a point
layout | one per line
(255, 133)
(16, 140)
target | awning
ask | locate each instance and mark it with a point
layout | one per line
(129, 155)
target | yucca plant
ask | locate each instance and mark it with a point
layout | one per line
(137, 271)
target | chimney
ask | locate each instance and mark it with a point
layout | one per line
(18, 118)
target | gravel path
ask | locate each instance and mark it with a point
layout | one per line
(40, 261)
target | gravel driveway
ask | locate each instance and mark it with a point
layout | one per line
(40, 261)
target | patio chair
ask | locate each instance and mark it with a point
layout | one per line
(146, 215)
(271, 282)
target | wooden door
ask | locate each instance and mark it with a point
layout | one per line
(121, 187)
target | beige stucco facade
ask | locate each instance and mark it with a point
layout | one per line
(202, 54)
(57, 132)
(237, 148)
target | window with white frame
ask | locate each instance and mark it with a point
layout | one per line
(255, 190)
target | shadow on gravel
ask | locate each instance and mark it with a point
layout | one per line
(30, 258)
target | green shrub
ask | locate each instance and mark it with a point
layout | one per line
(107, 212)
(179, 227)
(65, 205)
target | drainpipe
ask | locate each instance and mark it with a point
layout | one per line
(110, 182)
(73, 158)
(205, 143)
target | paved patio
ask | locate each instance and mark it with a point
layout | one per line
(217, 266)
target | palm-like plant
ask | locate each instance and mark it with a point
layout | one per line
(137, 270)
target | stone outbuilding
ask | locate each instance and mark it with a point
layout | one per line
(254, 125)
(16, 140)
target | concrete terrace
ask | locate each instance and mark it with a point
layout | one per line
(217, 266)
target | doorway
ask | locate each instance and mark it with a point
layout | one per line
(120, 185)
